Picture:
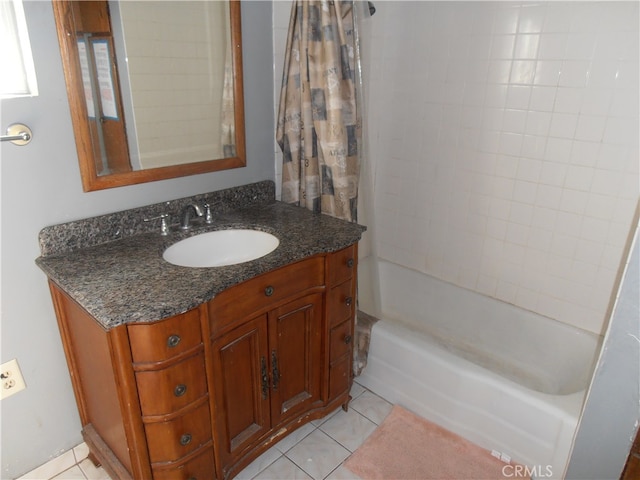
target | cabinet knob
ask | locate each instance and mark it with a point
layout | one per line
(347, 339)
(180, 390)
(348, 301)
(350, 263)
(173, 341)
(269, 291)
(185, 439)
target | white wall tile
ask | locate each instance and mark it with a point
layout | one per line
(522, 72)
(499, 71)
(568, 100)
(505, 19)
(581, 45)
(603, 73)
(518, 97)
(558, 149)
(574, 73)
(548, 72)
(558, 17)
(623, 103)
(526, 46)
(620, 130)
(531, 18)
(552, 46)
(585, 153)
(578, 178)
(563, 125)
(542, 98)
(553, 173)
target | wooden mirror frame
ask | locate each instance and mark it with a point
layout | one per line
(62, 11)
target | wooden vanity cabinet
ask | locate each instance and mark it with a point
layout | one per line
(201, 394)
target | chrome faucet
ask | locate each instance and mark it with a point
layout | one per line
(185, 216)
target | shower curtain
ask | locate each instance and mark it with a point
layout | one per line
(320, 131)
(319, 124)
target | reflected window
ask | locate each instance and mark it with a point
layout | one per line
(18, 77)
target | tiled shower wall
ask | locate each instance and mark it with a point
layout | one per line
(504, 138)
(506, 143)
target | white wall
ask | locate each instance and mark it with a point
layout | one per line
(41, 186)
(610, 418)
(505, 137)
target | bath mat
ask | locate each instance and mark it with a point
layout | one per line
(407, 447)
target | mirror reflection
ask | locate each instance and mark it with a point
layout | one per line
(158, 86)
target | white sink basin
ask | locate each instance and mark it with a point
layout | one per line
(221, 248)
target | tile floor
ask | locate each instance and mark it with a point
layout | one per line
(315, 451)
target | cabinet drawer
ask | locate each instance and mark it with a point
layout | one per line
(341, 303)
(200, 467)
(168, 441)
(159, 341)
(340, 376)
(264, 291)
(169, 389)
(341, 340)
(342, 265)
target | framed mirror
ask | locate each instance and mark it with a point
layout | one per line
(155, 88)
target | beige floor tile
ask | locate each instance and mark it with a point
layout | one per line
(52, 468)
(74, 473)
(372, 406)
(350, 428)
(283, 468)
(318, 454)
(92, 472)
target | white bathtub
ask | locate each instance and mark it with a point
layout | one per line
(504, 378)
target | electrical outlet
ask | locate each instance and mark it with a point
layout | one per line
(11, 379)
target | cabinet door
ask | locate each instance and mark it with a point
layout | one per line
(296, 357)
(241, 395)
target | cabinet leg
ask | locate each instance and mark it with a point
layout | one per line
(94, 459)
(345, 405)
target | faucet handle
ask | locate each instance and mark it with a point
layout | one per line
(208, 217)
(164, 226)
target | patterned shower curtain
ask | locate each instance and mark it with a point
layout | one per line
(319, 125)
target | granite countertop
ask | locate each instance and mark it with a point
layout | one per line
(126, 280)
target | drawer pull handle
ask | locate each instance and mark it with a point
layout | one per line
(269, 291)
(347, 339)
(348, 301)
(185, 439)
(350, 263)
(173, 341)
(180, 390)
